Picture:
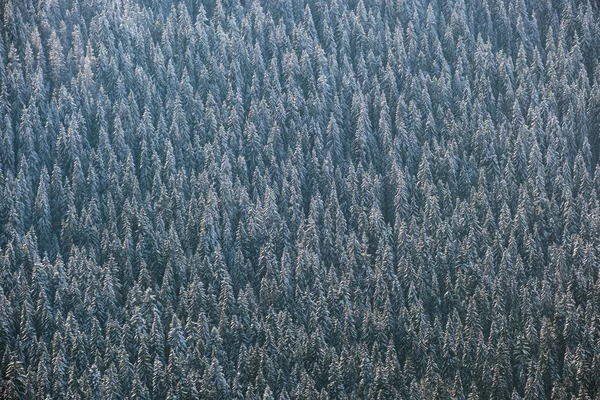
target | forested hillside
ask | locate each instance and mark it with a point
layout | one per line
(328, 199)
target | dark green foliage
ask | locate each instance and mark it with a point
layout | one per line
(299, 200)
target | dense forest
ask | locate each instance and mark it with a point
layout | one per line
(299, 199)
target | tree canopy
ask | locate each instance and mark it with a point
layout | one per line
(235, 199)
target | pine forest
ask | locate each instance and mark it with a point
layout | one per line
(299, 199)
